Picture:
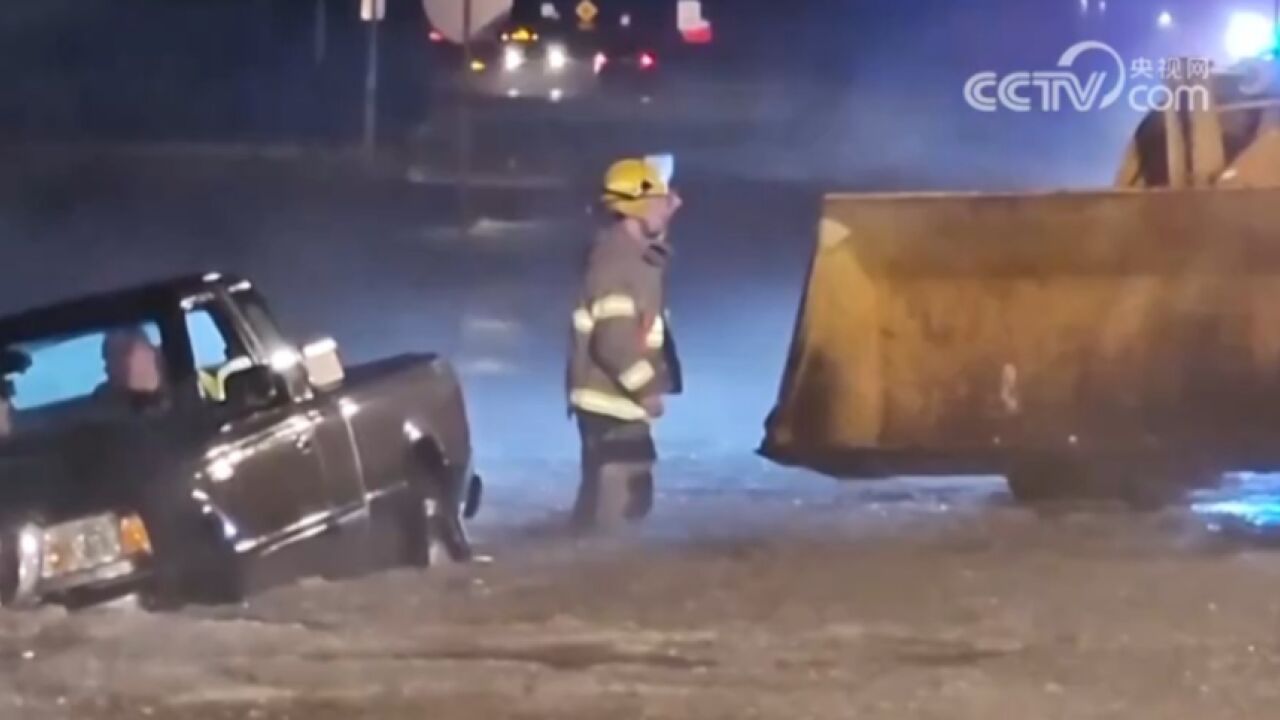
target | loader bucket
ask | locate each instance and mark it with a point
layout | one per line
(951, 333)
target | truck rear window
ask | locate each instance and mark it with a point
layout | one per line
(64, 369)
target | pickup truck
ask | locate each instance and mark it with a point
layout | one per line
(167, 440)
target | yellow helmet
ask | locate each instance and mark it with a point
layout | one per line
(630, 183)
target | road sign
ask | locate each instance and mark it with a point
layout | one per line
(373, 10)
(588, 12)
(447, 16)
(690, 22)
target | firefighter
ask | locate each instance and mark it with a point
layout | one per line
(623, 358)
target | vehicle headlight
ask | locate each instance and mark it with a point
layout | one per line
(1250, 35)
(91, 543)
(513, 58)
(557, 57)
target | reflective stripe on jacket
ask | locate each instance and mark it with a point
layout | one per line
(619, 353)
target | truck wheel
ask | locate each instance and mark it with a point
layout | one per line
(208, 572)
(225, 583)
(158, 597)
(1040, 483)
(1148, 492)
(220, 583)
(1139, 487)
(431, 532)
(411, 528)
(1150, 488)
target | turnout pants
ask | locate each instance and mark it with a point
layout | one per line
(617, 472)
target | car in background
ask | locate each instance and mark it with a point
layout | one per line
(629, 69)
(553, 57)
(525, 63)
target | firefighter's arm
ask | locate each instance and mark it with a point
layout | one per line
(617, 344)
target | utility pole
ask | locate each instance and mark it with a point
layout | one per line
(464, 120)
(322, 31)
(373, 16)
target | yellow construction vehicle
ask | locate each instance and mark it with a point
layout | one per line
(1229, 137)
(1123, 342)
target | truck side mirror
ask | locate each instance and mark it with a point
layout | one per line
(252, 388)
(323, 364)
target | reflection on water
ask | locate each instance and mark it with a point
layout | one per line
(1246, 508)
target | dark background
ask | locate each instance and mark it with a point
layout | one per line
(134, 138)
(251, 69)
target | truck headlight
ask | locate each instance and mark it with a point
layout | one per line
(91, 543)
(513, 58)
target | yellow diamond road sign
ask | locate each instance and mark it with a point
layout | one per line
(587, 11)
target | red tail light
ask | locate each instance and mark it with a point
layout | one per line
(648, 61)
(435, 36)
(600, 61)
(701, 35)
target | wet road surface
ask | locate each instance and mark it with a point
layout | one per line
(754, 592)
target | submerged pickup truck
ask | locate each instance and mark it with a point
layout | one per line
(168, 440)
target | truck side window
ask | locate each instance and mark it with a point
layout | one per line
(208, 346)
(213, 346)
(66, 369)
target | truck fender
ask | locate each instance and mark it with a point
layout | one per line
(437, 480)
(428, 466)
(461, 488)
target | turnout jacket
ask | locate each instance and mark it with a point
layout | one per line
(622, 348)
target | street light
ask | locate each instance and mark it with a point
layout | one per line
(1250, 35)
(1165, 21)
(372, 12)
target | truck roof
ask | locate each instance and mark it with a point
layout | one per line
(135, 300)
